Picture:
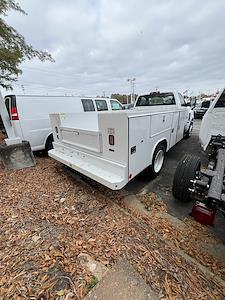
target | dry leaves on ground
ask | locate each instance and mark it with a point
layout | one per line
(42, 235)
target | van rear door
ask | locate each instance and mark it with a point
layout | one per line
(11, 106)
(8, 125)
(10, 102)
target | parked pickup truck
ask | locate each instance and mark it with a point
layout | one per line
(201, 108)
(112, 148)
(205, 185)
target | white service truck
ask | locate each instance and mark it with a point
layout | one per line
(112, 148)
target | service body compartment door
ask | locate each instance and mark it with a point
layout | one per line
(160, 123)
(86, 139)
(139, 154)
(181, 124)
(175, 122)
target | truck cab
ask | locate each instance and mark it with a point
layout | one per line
(165, 101)
(201, 108)
(213, 122)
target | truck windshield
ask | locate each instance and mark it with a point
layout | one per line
(156, 99)
(221, 101)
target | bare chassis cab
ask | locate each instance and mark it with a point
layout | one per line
(205, 185)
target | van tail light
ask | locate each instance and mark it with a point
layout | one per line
(14, 114)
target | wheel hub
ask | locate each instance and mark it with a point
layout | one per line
(159, 159)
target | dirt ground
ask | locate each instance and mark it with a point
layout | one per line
(162, 184)
(48, 218)
(2, 137)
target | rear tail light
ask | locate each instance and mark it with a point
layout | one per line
(202, 214)
(111, 140)
(14, 114)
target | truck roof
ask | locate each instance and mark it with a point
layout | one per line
(54, 96)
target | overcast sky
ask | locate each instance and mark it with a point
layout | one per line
(98, 44)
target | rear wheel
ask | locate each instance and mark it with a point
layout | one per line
(158, 159)
(188, 133)
(49, 144)
(185, 172)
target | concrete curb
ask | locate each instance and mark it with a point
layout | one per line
(17, 156)
(204, 270)
(207, 273)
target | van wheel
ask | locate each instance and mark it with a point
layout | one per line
(49, 144)
(185, 172)
(158, 159)
(188, 133)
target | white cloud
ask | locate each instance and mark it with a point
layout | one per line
(98, 44)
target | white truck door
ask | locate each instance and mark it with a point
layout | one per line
(181, 124)
(173, 136)
(139, 152)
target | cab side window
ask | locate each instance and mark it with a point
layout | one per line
(101, 105)
(88, 104)
(115, 105)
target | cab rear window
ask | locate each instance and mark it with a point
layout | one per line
(115, 105)
(221, 101)
(88, 104)
(156, 98)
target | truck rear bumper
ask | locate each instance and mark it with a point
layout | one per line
(108, 173)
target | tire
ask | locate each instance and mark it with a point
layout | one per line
(186, 170)
(159, 154)
(49, 144)
(188, 133)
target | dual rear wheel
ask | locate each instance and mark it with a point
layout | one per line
(186, 171)
(158, 159)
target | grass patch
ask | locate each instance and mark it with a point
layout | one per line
(92, 283)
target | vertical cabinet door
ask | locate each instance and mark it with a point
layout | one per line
(173, 136)
(139, 152)
(181, 123)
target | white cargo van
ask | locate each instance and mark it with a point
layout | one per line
(112, 148)
(29, 114)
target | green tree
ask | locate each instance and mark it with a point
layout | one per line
(122, 98)
(13, 47)
(119, 97)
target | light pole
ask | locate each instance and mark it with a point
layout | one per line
(131, 80)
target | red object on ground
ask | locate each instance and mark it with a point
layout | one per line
(202, 214)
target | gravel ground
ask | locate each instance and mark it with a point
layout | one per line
(48, 218)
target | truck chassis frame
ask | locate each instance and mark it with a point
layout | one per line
(206, 186)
